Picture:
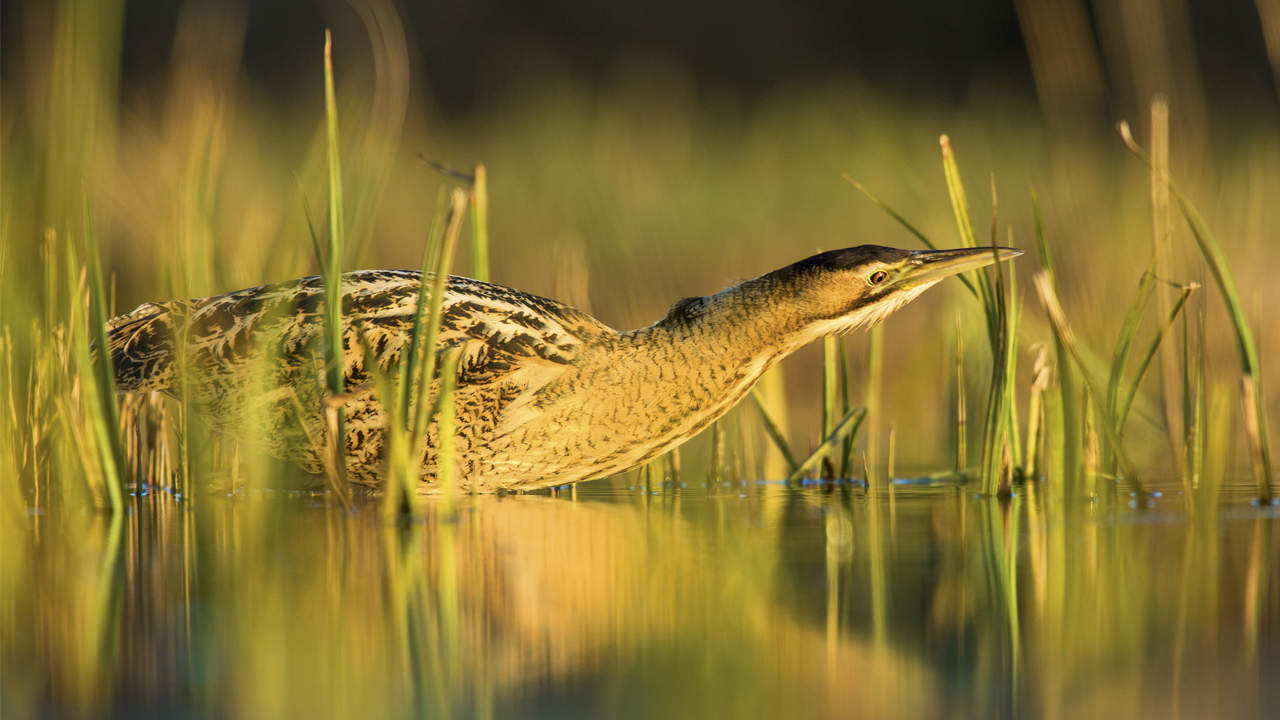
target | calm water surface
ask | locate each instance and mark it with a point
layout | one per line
(735, 600)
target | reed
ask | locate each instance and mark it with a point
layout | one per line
(1161, 265)
(1041, 378)
(1250, 366)
(962, 410)
(447, 427)
(830, 386)
(480, 224)
(97, 422)
(1001, 425)
(847, 427)
(1001, 320)
(331, 270)
(413, 407)
(872, 395)
(1122, 411)
(774, 432)
(1063, 421)
(1064, 335)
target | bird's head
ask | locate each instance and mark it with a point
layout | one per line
(840, 290)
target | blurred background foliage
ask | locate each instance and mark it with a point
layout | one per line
(637, 154)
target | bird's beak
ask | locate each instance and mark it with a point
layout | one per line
(930, 266)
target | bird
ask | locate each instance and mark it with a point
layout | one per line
(545, 393)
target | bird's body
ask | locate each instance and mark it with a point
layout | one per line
(545, 393)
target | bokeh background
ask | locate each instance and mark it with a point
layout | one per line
(638, 153)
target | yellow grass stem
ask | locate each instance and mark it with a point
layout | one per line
(480, 225)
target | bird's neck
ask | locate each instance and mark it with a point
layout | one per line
(764, 315)
(716, 347)
(642, 392)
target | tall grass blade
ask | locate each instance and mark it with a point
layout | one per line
(962, 412)
(106, 417)
(846, 447)
(413, 406)
(480, 225)
(447, 423)
(1065, 433)
(830, 387)
(1120, 357)
(1122, 412)
(402, 470)
(440, 279)
(431, 254)
(1064, 334)
(1013, 319)
(333, 352)
(874, 393)
(1161, 263)
(1040, 379)
(775, 433)
(848, 426)
(100, 450)
(960, 208)
(1250, 365)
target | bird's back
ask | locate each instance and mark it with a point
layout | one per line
(254, 357)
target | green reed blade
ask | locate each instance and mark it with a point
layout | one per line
(874, 393)
(333, 354)
(1250, 365)
(1132, 319)
(440, 279)
(846, 447)
(1065, 433)
(1014, 321)
(829, 386)
(397, 490)
(993, 422)
(847, 426)
(447, 421)
(1194, 386)
(774, 432)
(1035, 413)
(962, 412)
(430, 254)
(315, 237)
(1062, 330)
(998, 428)
(107, 416)
(1122, 414)
(960, 208)
(98, 392)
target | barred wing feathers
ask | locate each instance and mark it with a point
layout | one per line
(512, 343)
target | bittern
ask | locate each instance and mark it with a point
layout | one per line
(546, 394)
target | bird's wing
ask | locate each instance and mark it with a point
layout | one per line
(506, 336)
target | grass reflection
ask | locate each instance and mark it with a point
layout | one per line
(265, 603)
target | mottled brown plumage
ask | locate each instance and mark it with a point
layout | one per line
(546, 394)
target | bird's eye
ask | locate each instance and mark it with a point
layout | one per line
(877, 277)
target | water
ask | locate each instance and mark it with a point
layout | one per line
(737, 600)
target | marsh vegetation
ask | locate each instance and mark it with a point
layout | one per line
(1047, 489)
